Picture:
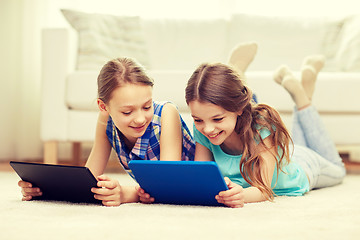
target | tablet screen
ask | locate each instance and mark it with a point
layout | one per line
(179, 182)
(58, 182)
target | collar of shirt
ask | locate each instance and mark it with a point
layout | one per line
(140, 146)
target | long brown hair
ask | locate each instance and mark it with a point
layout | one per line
(221, 85)
(117, 72)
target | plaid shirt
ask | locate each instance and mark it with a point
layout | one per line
(147, 147)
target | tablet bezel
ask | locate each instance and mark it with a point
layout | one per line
(58, 182)
(180, 182)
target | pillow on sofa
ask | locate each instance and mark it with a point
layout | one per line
(104, 37)
(281, 39)
(348, 55)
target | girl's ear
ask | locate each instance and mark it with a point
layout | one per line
(101, 105)
(239, 113)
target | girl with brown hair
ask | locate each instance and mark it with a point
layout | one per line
(250, 142)
(135, 126)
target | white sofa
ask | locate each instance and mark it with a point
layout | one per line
(176, 47)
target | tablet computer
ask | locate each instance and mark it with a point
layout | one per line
(179, 182)
(58, 182)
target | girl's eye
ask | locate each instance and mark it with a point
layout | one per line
(147, 108)
(218, 119)
(197, 120)
(126, 113)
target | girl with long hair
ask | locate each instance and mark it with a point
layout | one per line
(250, 143)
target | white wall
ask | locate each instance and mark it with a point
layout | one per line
(20, 24)
(10, 75)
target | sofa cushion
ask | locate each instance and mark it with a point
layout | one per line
(328, 96)
(104, 37)
(281, 40)
(348, 54)
(81, 88)
(169, 85)
(185, 43)
(81, 91)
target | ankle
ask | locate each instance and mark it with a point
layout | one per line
(299, 108)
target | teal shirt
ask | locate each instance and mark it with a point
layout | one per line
(292, 182)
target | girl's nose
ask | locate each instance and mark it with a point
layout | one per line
(139, 118)
(209, 128)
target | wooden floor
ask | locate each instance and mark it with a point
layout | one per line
(352, 167)
(115, 167)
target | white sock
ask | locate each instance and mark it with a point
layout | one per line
(309, 72)
(242, 55)
(286, 78)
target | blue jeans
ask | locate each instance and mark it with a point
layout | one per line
(315, 151)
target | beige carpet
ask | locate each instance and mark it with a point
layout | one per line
(331, 213)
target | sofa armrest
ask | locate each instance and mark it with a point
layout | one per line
(58, 58)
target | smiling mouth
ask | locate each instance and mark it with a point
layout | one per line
(139, 128)
(215, 135)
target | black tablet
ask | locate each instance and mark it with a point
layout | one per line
(58, 182)
(180, 182)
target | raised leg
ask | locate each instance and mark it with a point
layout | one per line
(326, 169)
(309, 72)
(322, 162)
(286, 78)
(242, 55)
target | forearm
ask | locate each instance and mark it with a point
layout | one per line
(101, 149)
(171, 134)
(98, 160)
(96, 168)
(253, 194)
